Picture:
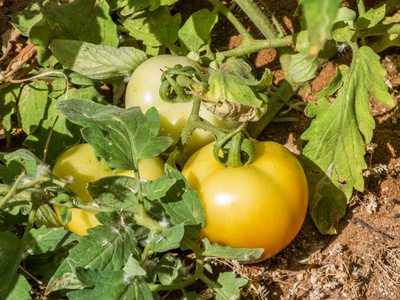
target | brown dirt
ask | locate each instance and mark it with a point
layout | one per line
(363, 260)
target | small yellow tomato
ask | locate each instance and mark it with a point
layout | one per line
(262, 205)
(143, 91)
(79, 165)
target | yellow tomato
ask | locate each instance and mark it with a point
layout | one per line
(143, 91)
(80, 166)
(262, 205)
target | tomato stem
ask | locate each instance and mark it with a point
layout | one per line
(195, 121)
(246, 36)
(258, 18)
(234, 159)
(13, 189)
(246, 48)
(29, 226)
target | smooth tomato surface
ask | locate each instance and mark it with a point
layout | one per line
(262, 205)
(80, 165)
(143, 91)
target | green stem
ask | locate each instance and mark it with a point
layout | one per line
(258, 18)
(29, 226)
(246, 48)
(278, 100)
(42, 179)
(146, 249)
(274, 21)
(234, 157)
(214, 286)
(195, 121)
(223, 140)
(232, 18)
(13, 190)
(89, 206)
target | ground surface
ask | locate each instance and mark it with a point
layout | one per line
(363, 260)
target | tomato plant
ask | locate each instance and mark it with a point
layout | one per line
(262, 205)
(143, 91)
(79, 166)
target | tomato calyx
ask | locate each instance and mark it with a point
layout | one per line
(236, 148)
(179, 83)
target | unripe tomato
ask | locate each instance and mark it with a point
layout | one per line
(262, 205)
(143, 90)
(80, 166)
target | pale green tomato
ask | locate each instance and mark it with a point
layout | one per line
(262, 205)
(80, 166)
(143, 91)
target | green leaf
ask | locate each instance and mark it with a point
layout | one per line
(23, 21)
(195, 33)
(336, 82)
(8, 102)
(20, 204)
(118, 192)
(303, 67)
(105, 248)
(118, 4)
(190, 296)
(335, 151)
(234, 82)
(63, 132)
(46, 216)
(65, 215)
(9, 257)
(154, 4)
(16, 162)
(32, 105)
(132, 6)
(168, 239)
(345, 14)
(133, 268)
(7, 220)
(341, 32)
(319, 16)
(170, 270)
(100, 62)
(128, 135)
(12, 285)
(38, 115)
(371, 18)
(45, 239)
(46, 264)
(110, 285)
(182, 204)
(231, 286)
(16, 287)
(240, 254)
(82, 20)
(159, 187)
(155, 28)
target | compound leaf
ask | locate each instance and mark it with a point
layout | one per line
(105, 248)
(335, 151)
(99, 62)
(118, 135)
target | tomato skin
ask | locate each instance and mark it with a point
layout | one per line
(262, 205)
(80, 164)
(143, 91)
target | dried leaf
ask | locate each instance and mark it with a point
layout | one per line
(231, 111)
